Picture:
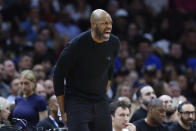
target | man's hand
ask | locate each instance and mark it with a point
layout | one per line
(130, 127)
(64, 118)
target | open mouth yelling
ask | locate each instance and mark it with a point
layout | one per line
(107, 34)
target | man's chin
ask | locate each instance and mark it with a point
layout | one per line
(105, 38)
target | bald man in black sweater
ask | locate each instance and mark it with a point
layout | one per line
(86, 64)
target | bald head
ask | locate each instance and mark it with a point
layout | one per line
(97, 15)
(155, 103)
(165, 97)
(101, 25)
(167, 100)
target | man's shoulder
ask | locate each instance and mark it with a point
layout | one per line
(81, 37)
(141, 125)
(138, 122)
(114, 38)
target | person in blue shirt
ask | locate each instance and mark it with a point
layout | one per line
(30, 106)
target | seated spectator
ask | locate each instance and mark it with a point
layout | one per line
(144, 94)
(123, 90)
(155, 117)
(10, 71)
(52, 121)
(15, 90)
(186, 114)
(171, 115)
(42, 53)
(41, 90)
(48, 84)
(130, 64)
(161, 87)
(120, 111)
(4, 112)
(4, 88)
(29, 106)
(25, 62)
(65, 26)
(39, 73)
(176, 93)
(32, 24)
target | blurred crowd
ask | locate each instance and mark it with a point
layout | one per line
(157, 37)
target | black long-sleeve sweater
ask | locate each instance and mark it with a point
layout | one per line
(86, 66)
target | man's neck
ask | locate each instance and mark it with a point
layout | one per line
(183, 125)
(116, 129)
(144, 107)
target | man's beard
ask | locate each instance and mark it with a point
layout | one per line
(169, 113)
(185, 122)
(99, 35)
(145, 103)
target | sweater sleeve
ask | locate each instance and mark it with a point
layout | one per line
(63, 67)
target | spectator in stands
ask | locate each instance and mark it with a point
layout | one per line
(144, 94)
(38, 70)
(186, 114)
(175, 57)
(130, 64)
(155, 117)
(169, 72)
(29, 106)
(123, 90)
(52, 121)
(112, 7)
(49, 10)
(45, 35)
(176, 93)
(32, 25)
(4, 112)
(48, 84)
(79, 10)
(10, 71)
(120, 112)
(171, 115)
(149, 74)
(25, 62)
(15, 90)
(4, 88)
(65, 26)
(42, 52)
(162, 88)
(19, 45)
(41, 90)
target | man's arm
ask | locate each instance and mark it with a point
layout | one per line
(62, 70)
(60, 100)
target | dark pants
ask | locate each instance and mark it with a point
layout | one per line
(84, 115)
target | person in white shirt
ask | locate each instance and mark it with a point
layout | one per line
(120, 111)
